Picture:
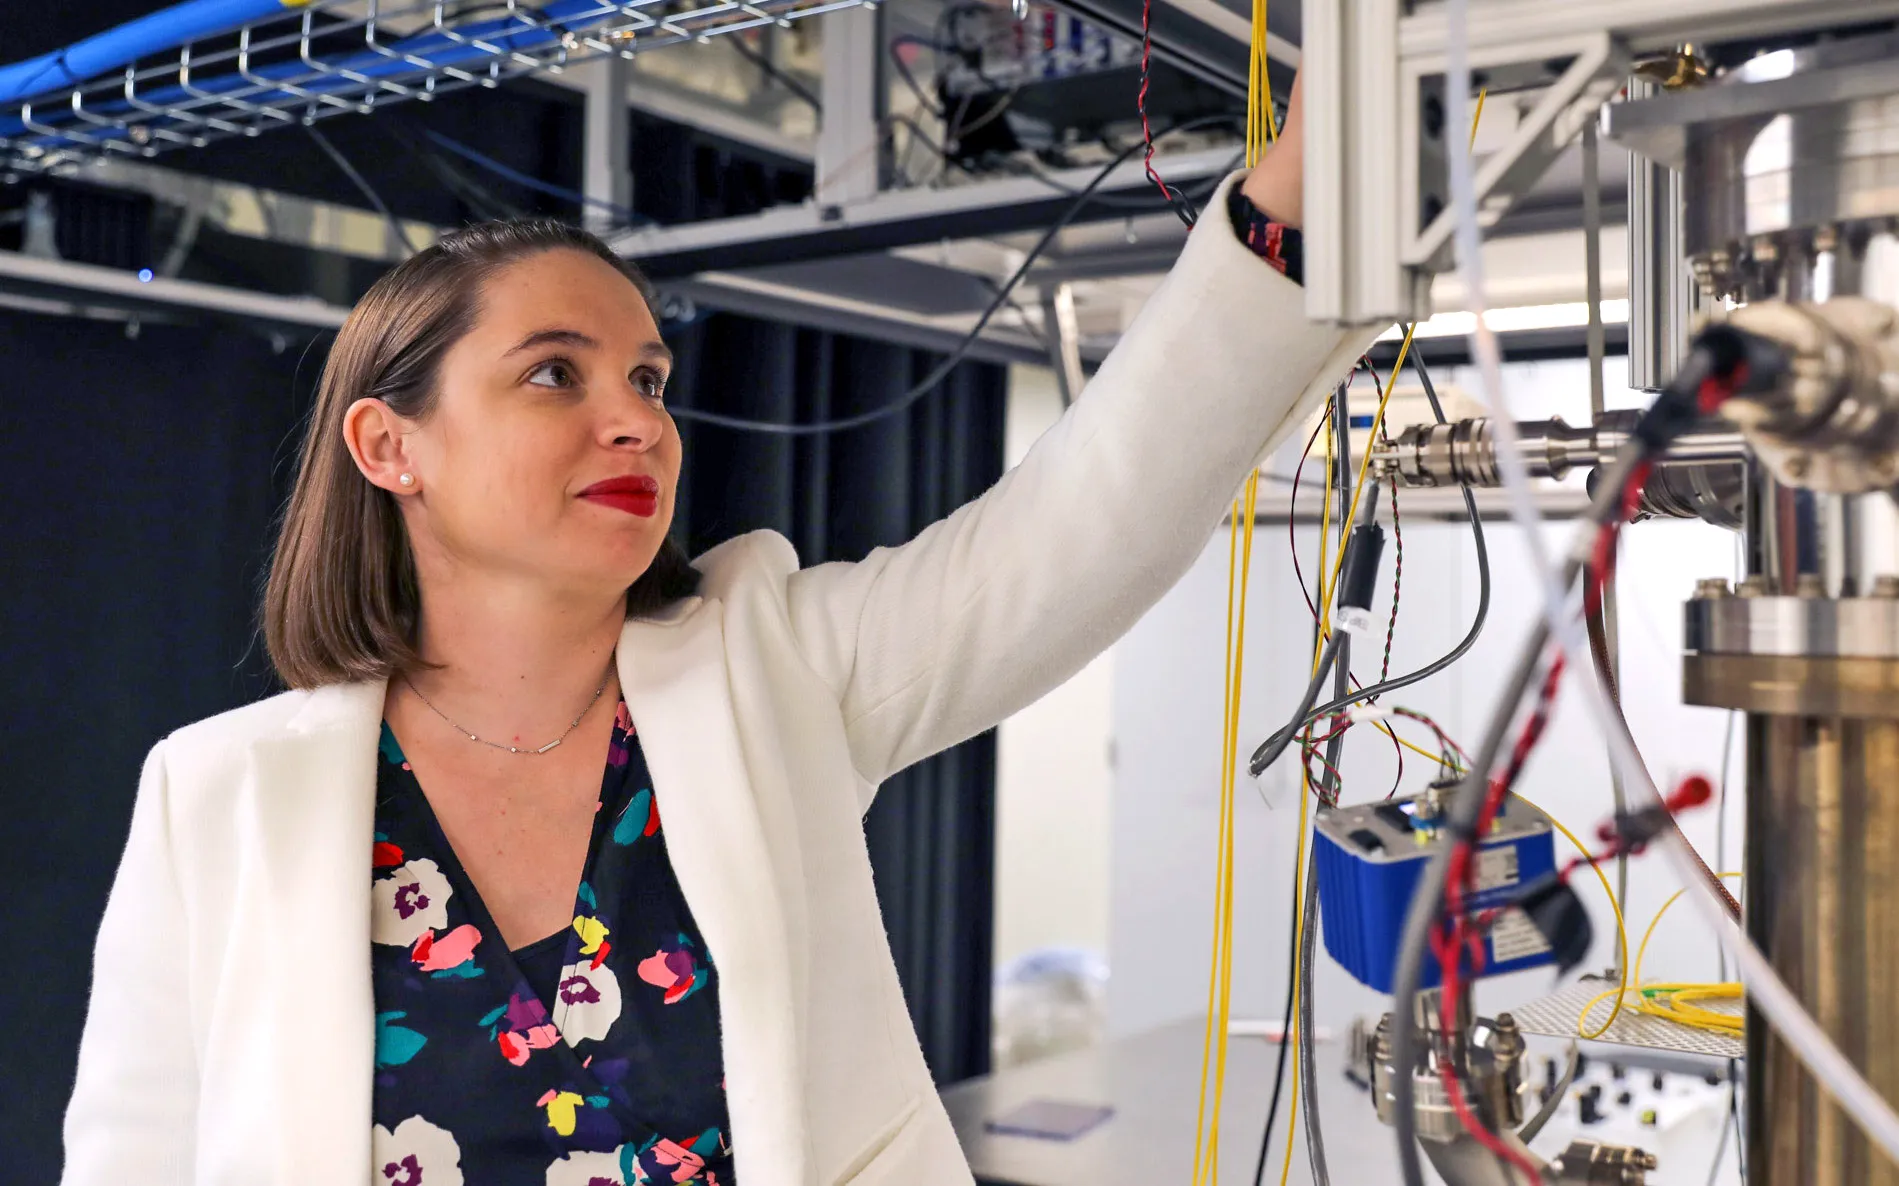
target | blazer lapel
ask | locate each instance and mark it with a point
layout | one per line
(313, 816)
(673, 676)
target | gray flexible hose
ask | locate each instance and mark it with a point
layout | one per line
(1315, 1136)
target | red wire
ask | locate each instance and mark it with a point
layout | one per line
(1449, 948)
(1448, 941)
(1147, 133)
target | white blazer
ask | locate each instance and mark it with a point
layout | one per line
(230, 1035)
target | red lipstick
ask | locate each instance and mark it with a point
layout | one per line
(635, 494)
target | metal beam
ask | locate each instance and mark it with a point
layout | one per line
(1197, 36)
(257, 213)
(850, 125)
(88, 285)
(898, 219)
(756, 298)
(606, 156)
(1523, 30)
(1375, 127)
(1064, 341)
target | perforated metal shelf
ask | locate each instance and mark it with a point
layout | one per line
(1555, 1016)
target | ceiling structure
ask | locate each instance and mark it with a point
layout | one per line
(940, 178)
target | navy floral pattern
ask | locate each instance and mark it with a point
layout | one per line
(589, 1058)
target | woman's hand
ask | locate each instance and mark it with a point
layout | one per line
(1277, 184)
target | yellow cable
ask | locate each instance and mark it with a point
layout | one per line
(1220, 981)
(1477, 114)
(1642, 951)
(1239, 563)
(1621, 931)
(1213, 968)
(1232, 783)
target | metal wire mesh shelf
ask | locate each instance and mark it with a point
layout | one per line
(1555, 1016)
(299, 63)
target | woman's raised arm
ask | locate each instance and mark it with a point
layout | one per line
(930, 643)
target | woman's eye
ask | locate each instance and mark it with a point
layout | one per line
(552, 373)
(649, 383)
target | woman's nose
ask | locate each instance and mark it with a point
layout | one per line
(636, 423)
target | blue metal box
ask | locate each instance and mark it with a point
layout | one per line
(1370, 858)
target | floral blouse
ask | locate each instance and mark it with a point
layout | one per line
(589, 1058)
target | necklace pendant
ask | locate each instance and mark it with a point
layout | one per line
(550, 745)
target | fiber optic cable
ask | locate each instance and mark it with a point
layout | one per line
(1677, 999)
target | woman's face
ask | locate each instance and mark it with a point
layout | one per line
(549, 456)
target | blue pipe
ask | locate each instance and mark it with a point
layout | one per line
(439, 49)
(166, 29)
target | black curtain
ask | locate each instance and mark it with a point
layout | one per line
(139, 479)
(836, 497)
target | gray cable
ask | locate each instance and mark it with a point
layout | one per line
(1466, 805)
(1309, 915)
(1276, 742)
(1558, 1090)
(357, 179)
(1295, 935)
(1311, 696)
(1309, 1087)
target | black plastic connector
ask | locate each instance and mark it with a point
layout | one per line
(1744, 361)
(1358, 584)
(1560, 918)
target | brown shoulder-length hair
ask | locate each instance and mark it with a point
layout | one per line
(341, 602)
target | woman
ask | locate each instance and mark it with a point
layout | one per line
(396, 927)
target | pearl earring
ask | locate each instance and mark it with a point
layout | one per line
(407, 479)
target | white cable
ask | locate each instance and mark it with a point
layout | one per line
(1765, 990)
(1484, 350)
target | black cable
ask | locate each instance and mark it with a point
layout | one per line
(1429, 669)
(375, 199)
(955, 357)
(1298, 958)
(623, 217)
(1143, 202)
(1721, 1150)
(1332, 789)
(772, 71)
(903, 70)
(1295, 932)
(1285, 1032)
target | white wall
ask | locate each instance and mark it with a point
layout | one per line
(1168, 676)
(1052, 781)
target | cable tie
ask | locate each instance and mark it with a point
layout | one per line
(1353, 620)
(1364, 713)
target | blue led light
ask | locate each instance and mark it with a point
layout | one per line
(145, 275)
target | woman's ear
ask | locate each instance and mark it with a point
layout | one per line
(373, 433)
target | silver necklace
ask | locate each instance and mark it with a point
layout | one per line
(597, 692)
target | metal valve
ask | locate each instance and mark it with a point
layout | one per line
(1703, 476)
(1603, 1165)
(1832, 422)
